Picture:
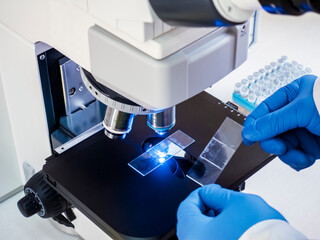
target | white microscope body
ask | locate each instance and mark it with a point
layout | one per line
(123, 44)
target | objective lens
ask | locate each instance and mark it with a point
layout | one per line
(117, 123)
(163, 121)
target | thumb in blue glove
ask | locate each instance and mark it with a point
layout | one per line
(287, 124)
(212, 212)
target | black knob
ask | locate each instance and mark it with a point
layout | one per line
(28, 205)
(41, 198)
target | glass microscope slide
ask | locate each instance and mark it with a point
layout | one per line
(217, 153)
(160, 153)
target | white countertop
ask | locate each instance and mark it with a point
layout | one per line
(295, 195)
(14, 226)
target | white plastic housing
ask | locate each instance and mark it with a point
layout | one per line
(236, 11)
(64, 25)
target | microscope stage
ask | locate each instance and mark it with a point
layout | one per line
(95, 177)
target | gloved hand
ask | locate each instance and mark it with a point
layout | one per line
(287, 124)
(212, 212)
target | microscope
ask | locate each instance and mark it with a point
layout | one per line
(93, 84)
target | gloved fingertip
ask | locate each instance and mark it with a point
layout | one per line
(308, 77)
(209, 190)
(297, 169)
(280, 150)
(274, 146)
(287, 159)
(210, 187)
(247, 142)
(249, 120)
(194, 193)
(250, 133)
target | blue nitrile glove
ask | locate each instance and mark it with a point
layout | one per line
(287, 124)
(212, 212)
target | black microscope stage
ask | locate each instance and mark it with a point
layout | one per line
(95, 177)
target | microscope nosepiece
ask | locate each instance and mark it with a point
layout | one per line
(163, 121)
(117, 123)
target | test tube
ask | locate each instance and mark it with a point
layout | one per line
(294, 62)
(253, 88)
(267, 79)
(284, 58)
(260, 83)
(294, 71)
(273, 75)
(282, 80)
(244, 92)
(288, 66)
(280, 63)
(245, 83)
(280, 71)
(296, 75)
(274, 66)
(302, 73)
(258, 93)
(262, 72)
(308, 70)
(252, 98)
(300, 66)
(276, 84)
(257, 75)
(264, 90)
(250, 79)
(287, 74)
(237, 87)
(270, 87)
(268, 69)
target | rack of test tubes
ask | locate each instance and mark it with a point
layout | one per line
(251, 91)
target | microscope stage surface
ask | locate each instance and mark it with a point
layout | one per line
(95, 176)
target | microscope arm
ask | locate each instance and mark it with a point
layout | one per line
(225, 12)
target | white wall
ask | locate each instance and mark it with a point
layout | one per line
(9, 169)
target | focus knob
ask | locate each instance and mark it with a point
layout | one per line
(28, 205)
(41, 198)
